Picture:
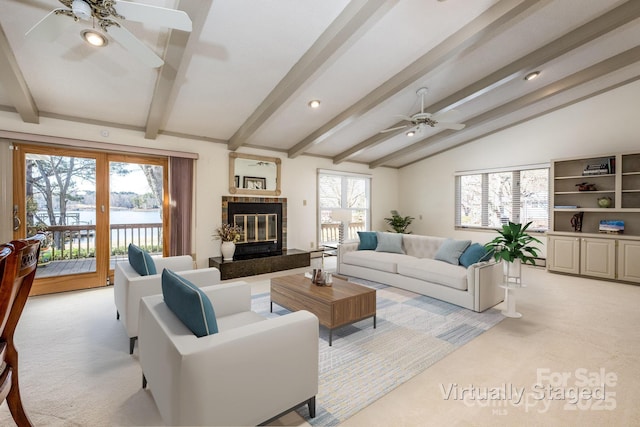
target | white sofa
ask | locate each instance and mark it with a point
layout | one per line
(129, 287)
(475, 288)
(249, 372)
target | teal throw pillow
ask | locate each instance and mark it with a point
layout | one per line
(141, 261)
(451, 250)
(474, 253)
(368, 240)
(189, 304)
(389, 242)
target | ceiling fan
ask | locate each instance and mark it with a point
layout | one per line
(420, 120)
(107, 14)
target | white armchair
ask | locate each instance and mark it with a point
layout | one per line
(129, 287)
(251, 371)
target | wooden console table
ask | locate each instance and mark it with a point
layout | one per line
(290, 258)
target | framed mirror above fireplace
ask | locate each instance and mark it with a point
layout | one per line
(253, 174)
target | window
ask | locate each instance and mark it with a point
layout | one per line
(489, 199)
(343, 198)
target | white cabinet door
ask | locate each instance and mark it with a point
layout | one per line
(629, 260)
(598, 257)
(563, 254)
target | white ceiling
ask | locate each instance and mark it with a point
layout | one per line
(244, 75)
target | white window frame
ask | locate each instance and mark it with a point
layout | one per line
(342, 175)
(515, 201)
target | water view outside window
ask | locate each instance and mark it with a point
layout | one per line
(135, 213)
(60, 201)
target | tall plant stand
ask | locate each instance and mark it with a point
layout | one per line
(512, 281)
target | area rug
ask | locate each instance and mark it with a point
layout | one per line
(363, 364)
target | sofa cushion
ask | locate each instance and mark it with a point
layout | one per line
(389, 242)
(368, 240)
(433, 271)
(451, 250)
(189, 304)
(474, 253)
(421, 246)
(141, 261)
(381, 261)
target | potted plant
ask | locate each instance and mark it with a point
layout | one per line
(229, 234)
(399, 223)
(514, 246)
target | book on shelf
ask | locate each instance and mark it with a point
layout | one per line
(566, 207)
(602, 167)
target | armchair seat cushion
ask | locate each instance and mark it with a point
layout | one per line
(237, 320)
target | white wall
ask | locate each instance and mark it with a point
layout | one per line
(605, 124)
(211, 182)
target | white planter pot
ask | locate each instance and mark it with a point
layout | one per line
(227, 249)
(512, 271)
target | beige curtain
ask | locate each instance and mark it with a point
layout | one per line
(181, 202)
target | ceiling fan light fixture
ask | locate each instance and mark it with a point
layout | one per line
(411, 133)
(94, 38)
(314, 103)
(532, 75)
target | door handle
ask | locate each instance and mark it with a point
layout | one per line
(16, 221)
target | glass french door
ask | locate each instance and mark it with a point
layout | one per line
(138, 195)
(65, 194)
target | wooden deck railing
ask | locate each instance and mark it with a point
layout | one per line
(330, 232)
(78, 241)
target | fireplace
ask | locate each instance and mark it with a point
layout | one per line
(263, 221)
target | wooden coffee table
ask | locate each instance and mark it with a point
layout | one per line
(338, 305)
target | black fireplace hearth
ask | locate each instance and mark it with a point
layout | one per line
(263, 224)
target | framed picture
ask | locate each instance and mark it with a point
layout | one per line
(237, 181)
(254, 183)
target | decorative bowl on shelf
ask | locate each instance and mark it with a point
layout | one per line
(604, 202)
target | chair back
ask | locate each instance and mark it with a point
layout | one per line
(18, 263)
(18, 273)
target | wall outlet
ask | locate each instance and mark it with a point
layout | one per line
(311, 245)
(304, 203)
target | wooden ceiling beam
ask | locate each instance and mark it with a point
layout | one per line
(582, 35)
(488, 22)
(595, 71)
(349, 26)
(13, 81)
(176, 59)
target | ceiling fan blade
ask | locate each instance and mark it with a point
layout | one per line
(50, 27)
(454, 126)
(392, 129)
(447, 116)
(162, 16)
(403, 117)
(135, 46)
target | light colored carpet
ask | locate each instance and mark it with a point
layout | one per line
(75, 369)
(413, 332)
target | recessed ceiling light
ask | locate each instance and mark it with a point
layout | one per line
(314, 104)
(532, 75)
(411, 133)
(94, 38)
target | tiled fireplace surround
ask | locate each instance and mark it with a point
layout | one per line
(241, 267)
(237, 199)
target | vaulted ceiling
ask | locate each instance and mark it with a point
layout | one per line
(245, 74)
